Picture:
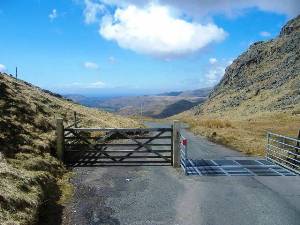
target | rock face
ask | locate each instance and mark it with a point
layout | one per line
(264, 78)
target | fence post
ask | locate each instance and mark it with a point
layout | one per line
(268, 144)
(75, 119)
(60, 139)
(297, 146)
(175, 144)
(298, 142)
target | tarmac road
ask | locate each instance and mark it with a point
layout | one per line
(161, 195)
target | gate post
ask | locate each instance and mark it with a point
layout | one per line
(60, 142)
(175, 144)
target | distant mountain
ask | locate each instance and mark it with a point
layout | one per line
(172, 93)
(84, 100)
(177, 107)
(157, 106)
(151, 106)
(203, 92)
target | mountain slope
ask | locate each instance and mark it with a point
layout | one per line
(203, 92)
(264, 78)
(259, 92)
(30, 177)
(177, 107)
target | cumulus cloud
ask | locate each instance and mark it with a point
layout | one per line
(2, 68)
(154, 30)
(265, 34)
(91, 65)
(160, 27)
(92, 11)
(213, 60)
(53, 15)
(197, 8)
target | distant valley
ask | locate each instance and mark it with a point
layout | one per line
(157, 106)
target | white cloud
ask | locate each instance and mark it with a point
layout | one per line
(215, 71)
(92, 85)
(265, 34)
(214, 75)
(97, 84)
(112, 60)
(213, 60)
(53, 15)
(92, 11)
(197, 8)
(157, 27)
(91, 65)
(2, 68)
(154, 30)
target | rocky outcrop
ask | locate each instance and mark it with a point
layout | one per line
(265, 77)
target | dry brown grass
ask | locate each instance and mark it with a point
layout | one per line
(214, 123)
(30, 177)
(243, 133)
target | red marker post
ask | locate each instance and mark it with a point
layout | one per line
(184, 142)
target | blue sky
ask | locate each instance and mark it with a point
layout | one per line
(113, 47)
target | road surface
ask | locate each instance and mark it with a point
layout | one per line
(161, 195)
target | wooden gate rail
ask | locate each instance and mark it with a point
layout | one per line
(137, 130)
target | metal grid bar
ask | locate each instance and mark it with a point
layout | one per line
(195, 167)
(270, 168)
(231, 170)
(283, 165)
(224, 171)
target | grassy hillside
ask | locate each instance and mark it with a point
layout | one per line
(260, 91)
(31, 179)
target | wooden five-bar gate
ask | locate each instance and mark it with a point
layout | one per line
(118, 146)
